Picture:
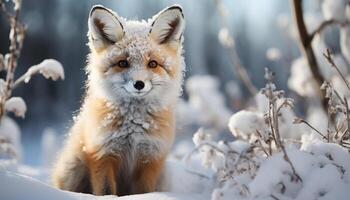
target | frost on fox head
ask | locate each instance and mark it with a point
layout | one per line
(136, 60)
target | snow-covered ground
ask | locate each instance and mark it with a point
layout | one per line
(324, 169)
(14, 186)
(178, 182)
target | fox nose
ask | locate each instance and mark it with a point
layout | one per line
(139, 85)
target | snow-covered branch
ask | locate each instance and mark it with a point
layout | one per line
(49, 68)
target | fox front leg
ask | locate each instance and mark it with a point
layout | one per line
(103, 174)
(146, 175)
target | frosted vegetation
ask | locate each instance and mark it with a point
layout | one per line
(270, 152)
(49, 68)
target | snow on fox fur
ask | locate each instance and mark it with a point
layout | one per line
(125, 128)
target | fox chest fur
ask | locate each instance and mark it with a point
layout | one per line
(134, 131)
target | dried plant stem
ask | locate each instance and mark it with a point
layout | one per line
(286, 158)
(347, 120)
(16, 36)
(22, 78)
(313, 128)
(198, 174)
(278, 141)
(329, 58)
(325, 24)
(273, 114)
(274, 197)
(234, 58)
(306, 48)
(261, 144)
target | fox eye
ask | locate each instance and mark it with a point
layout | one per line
(123, 64)
(152, 64)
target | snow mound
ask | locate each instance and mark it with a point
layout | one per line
(177, 182)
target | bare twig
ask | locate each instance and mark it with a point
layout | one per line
(329, 58)
(198, 174)
(22, 78)
(299, 120)
(261, 144)
(325, 24)
(286, 158)
(273, 114)
(274, 197)
(347, 131)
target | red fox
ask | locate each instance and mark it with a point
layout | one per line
(125, 128)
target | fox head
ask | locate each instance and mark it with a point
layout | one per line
(136, 60)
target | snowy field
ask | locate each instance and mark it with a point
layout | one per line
(31, 188)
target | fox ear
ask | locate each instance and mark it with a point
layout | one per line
(105, 27)
(168, 25)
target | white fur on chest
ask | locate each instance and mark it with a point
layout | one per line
(132, 140)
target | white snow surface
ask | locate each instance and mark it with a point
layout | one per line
(177, 183)
(17, 187)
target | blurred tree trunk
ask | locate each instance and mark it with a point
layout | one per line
(306, 49)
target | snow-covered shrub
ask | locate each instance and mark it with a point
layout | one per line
(49, 68)
(329, 15)
(274, 158)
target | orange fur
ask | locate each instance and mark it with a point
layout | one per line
(146, 174)
(104, 170)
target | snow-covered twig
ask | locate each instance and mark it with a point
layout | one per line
(8, 63)
(17, 34)
(49, 68)
(273, 113)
